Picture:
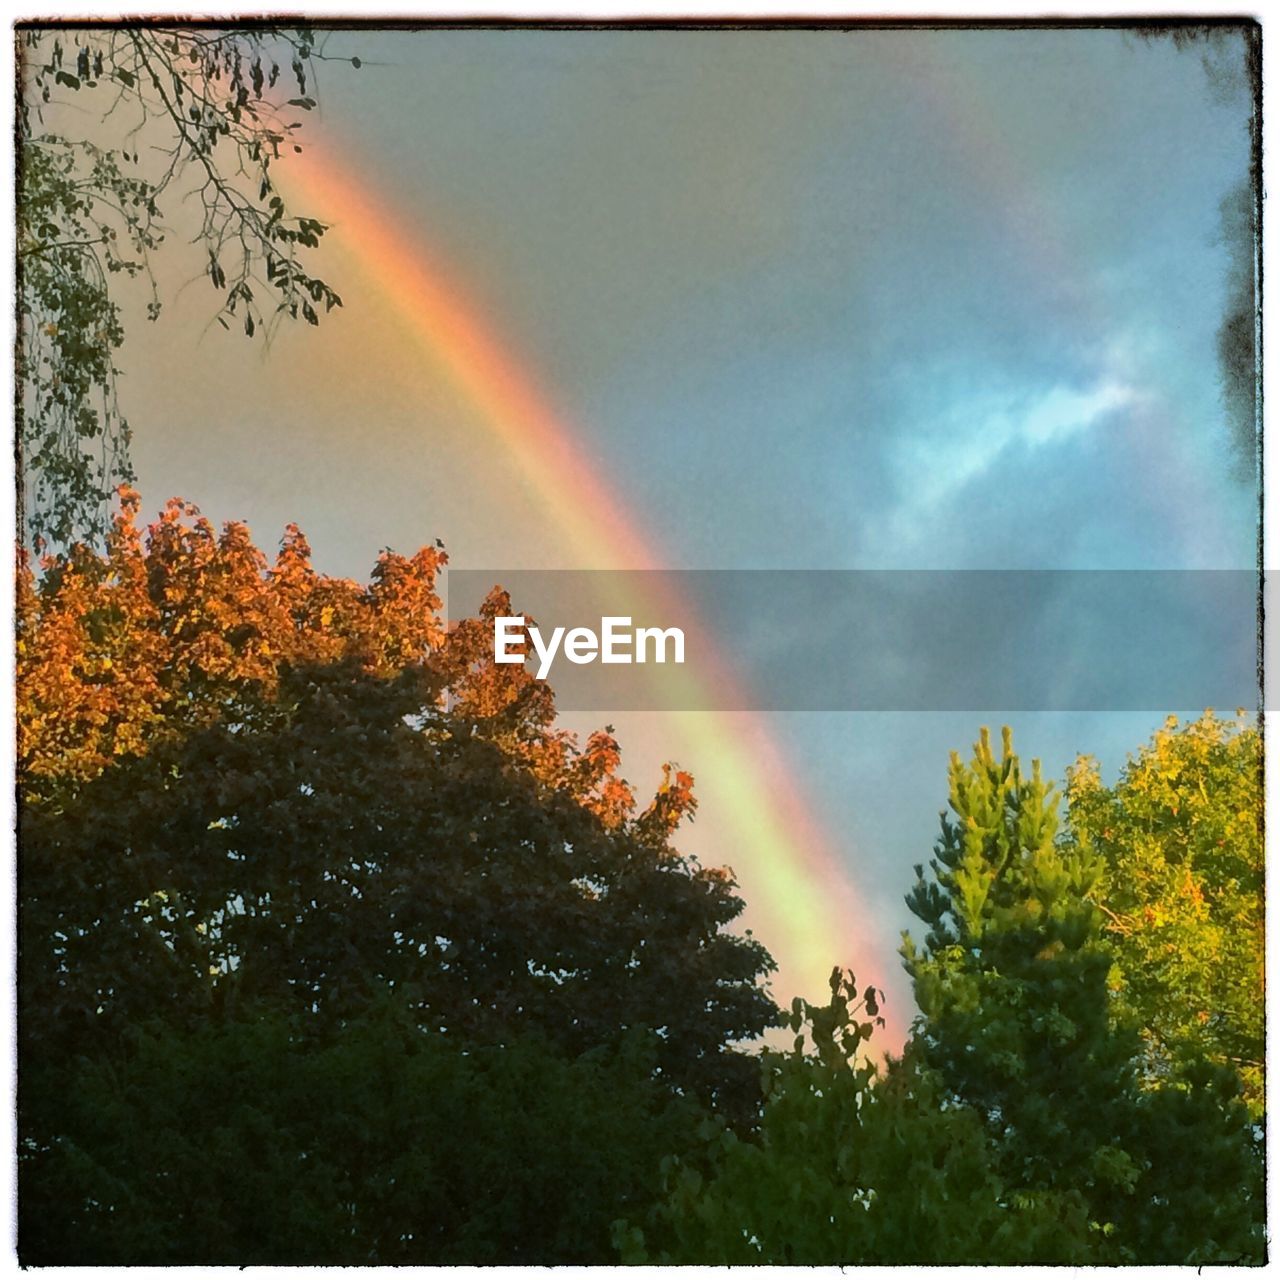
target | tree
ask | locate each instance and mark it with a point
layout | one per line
(848, 1167)
(1015, 1127)
(249, 1142)
(193, 115)
(1018, 1021)
(314, 864)
(309, 882)
(250, 788)
(151, 638)
(1180, 841)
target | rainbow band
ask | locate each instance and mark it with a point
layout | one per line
(797, 886)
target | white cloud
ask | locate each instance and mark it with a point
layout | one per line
(957, 444)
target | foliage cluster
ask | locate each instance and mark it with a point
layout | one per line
(190, 118)
(334, 948)
(255, 796)
(1181, 843)
(252, 1141)
(1018, 1125)
(848, 1165)
(1014, 984)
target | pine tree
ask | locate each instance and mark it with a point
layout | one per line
(1019, 1022)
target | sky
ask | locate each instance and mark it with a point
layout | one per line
(783, 300)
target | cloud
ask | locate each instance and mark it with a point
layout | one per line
(972, 430)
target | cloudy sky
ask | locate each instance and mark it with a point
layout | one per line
(819, 300)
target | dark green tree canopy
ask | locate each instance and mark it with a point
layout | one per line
(850, 1166)
(252, 1143)
(365, 842)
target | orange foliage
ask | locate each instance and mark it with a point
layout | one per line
(170, 630)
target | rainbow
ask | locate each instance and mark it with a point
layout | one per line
(794, 881)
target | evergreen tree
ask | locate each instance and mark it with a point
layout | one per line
(1017, 1018)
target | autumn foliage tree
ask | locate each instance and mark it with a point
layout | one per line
(249, 790)
(150, 639)
(314, 740)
